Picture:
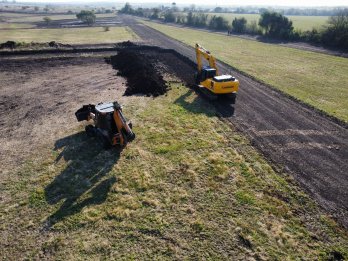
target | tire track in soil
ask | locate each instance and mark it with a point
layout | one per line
(303, 142)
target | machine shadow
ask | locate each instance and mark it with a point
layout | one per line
(82, 182)
(199, 104)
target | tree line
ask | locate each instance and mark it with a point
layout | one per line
(271, 24)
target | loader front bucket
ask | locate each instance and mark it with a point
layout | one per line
(83, 114)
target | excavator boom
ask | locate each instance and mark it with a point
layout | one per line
(201, 51)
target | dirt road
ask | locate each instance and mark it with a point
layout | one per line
(306, 144)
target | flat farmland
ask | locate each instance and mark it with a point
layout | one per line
(15, 26)
(85, 35)
(39, 18)
(316, 79)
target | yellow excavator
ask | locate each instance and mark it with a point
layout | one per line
(208, 79)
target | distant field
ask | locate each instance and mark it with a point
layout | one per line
(39, 18)
(317, 79)
(7, 15)
(299, 22)
(90, 35)
(15, 26)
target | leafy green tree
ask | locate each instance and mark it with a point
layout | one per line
(190, 19)
(87, 17)
(239, 25)
(276, 25)
(218, 9)
(155, 14)
(127, 9)
(169, 17)
(337, 32)
(47, 20)
(218, 23)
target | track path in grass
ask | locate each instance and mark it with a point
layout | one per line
(306, 144)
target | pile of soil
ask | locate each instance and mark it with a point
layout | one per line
(22, 45)
(8, 45)
(125, 44)
(142, 72)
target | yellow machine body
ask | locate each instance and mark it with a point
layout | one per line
(208, 76)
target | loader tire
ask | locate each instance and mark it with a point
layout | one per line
(90, 131)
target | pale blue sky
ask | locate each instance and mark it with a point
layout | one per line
(221, 2)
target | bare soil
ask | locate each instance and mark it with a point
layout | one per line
(142, 72)
(38, 98)
(40, 93)
(295, 137)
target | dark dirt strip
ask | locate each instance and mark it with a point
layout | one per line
(300, 140)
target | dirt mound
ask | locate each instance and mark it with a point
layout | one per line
(32, 45)
(125, 44)
(8, 45)
(142, 73)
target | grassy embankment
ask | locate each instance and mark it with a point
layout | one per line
(317, 79)
(299, 22)
(188, 186)
(85, 35)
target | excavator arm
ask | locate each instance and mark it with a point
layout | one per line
(200, 51)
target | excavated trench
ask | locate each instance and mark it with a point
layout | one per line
(144, 68)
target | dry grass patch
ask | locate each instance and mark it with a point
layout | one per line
(91, 35)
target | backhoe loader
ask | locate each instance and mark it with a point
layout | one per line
(110, 126)
(208, 79)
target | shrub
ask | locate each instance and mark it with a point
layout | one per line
(169, 17)
(47, 20)
(127, 9)
(218, 23)
(276, 25)
(253, 28)
(197, 20)
(336, 34)
(239, 25)
(87, 17)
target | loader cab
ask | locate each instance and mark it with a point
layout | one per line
(207, 73)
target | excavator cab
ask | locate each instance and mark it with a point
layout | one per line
(207, 73)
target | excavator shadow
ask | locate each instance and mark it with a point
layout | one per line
(84, 181)
(199, 104)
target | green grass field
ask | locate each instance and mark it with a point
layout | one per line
(317, 79)
(299, 22)
(15, 26)
(86, 35)
(188, 187)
